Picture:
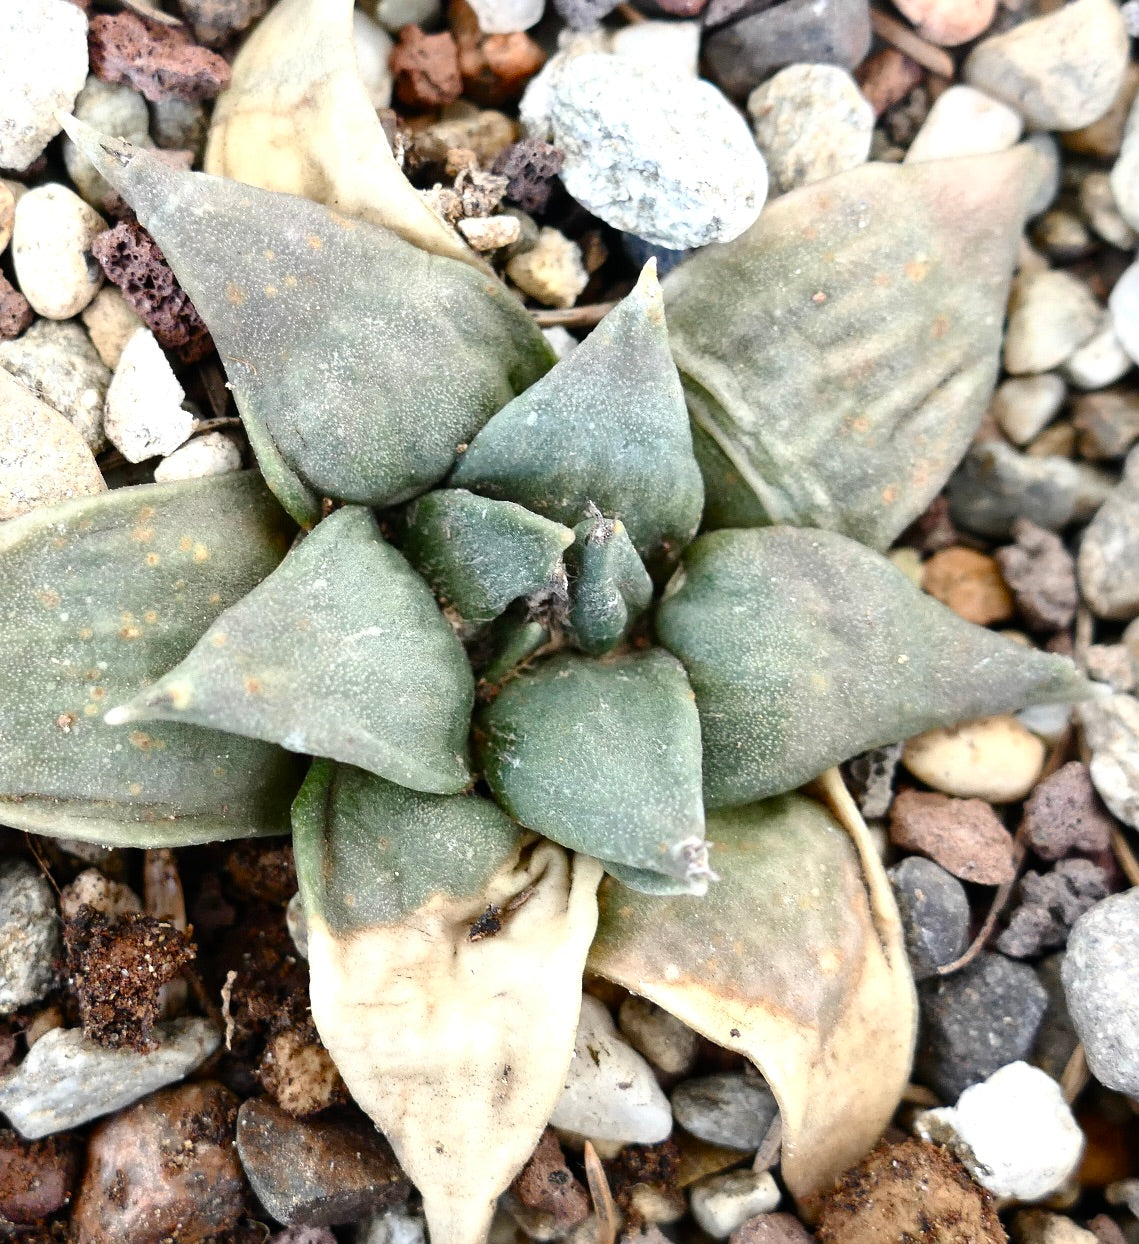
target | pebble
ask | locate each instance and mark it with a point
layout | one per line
(1060, 71)
(672, 45)
(426, 68)
(110, 323)
(394, 15)
(504, 17)
(553, 272)
(1110, 664)
(43, 65)
(1051, 313)
(144, 415)
(1100, 361)
(51, 251)
(490, 233)
(1024, 405)
(1014, 1133)
(29, 935)
(1124, 175)
(37, 1179)
(305, 1235)
(1064, 815)
(667, 1043)
(1049, 721)
(655, 154)
(548, 1188)
(969, 583)
(1123, 303)
(92, 889)
(373, 46)
(1106, 423)
(935, 913)
(1108, 560)
(1111, 734)
(43, 459)
(297, 924)
(1050, 903)
(159, 61)
(584, 15)
(213, 453)
(1101, 210)
(771, 1229)
(179, 125)
(67, 1080)
(610, 1092)
(992, 758)
(561, 341)
(117, 111)
(811, 122)
(874, 773)
(393, 1226)
(964, 122)
(949, 22)
(1036, 1226)
(165, 1169)
(298, 1073)
(56, 360)
(318, 1172)
(964, 836)
(732, 1110)
(1099, 982)
(7, 212)
(723, 1203)
(978, 1019)
(1042, 575)
(1056, 1040)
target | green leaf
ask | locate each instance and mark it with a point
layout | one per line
(793, 959)
(510, 640)
(359, 362)
(478, 554)
(607, 426)
(838, 356)
(603, 757)
(341, 652)
(610, 587)
(805, 648)
(446, 951)
(101, 595)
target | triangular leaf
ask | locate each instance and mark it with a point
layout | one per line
(341, 652)
(478, 554)
(297, 118)
(359, 363)
(101, 595)
(607, 426)
(603, 757)
(446, 951)
(805, 648)
(793, 959)
(610, 587)
(838, 356)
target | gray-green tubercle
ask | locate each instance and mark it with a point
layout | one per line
(341, 652)
(609, 585)
(102, 595)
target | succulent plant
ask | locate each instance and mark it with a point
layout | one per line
(549, 728)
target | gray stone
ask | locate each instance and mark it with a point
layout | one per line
(179, 125)
(660, 1037)
(1024, 405)
(935, 913)
(1061, 71)
(652, 153)
(113, 109)
(51, 251)
(1111, 734)
(1108, 560)
(29, 935)
(733, 1109)
(1106, 423)
(1101, 210)
(1057, 1038)
(393, 15)
(1043, 180)
(1050, 903)
(964, 122)
(43, 64)
(1051, 314)
(67, 1080)
(56, 360)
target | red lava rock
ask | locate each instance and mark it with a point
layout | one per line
(215, 20)
(131, 259)
(1064, 814)
(531, 166)
(964, 836)
(426, 68)
(161, 62)
(970, 584)
(771, 1229)
(886, 78)
(1042, 575)
(546, 1184)
(494, 68)
(164, 1169)
(37, 1177)
(15, 313)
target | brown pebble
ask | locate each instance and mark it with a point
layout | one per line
(37, 1177)
(886, 78)
(1106, 1230)
(1106, 423)
(1064, 814)
(495, 68)
(298, 1072)
(166, 1168)
(771, 1229)
(16, 314)
(970, 584)
(964, 836)
(546, 1184)
(1042, 575)
(426, 68)
(160, 62)
(911, 1191)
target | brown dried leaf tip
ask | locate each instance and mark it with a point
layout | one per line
(118, 966)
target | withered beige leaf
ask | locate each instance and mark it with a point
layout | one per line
(297, 118)
(794, 959)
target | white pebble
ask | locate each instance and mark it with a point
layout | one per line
(118, 111)
(1025, 405)
(1100, 361)
(144, 415)
(1124, 306)
(1013, 1132)
(506, 17)
(560, 340)
(964, 122)
(660, 1037)
(373, 51)
(721, 1203)
(51, 251)
(672, 45)
(490, 233)
(552, 272)
(1111, 734)
(1051, 314)
(110, 323)
(992, 758)
(213, 453)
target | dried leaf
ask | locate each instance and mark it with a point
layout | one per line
(102, 595)
(297, 118)
(446, 952)
(359, 363)
(805, 648)
(607, 426)
(795, 960)
(341, 652)
(603, 757)
(610, 586)
(839, 355)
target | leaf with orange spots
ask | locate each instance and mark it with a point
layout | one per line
(101, 596)
(838, 356)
